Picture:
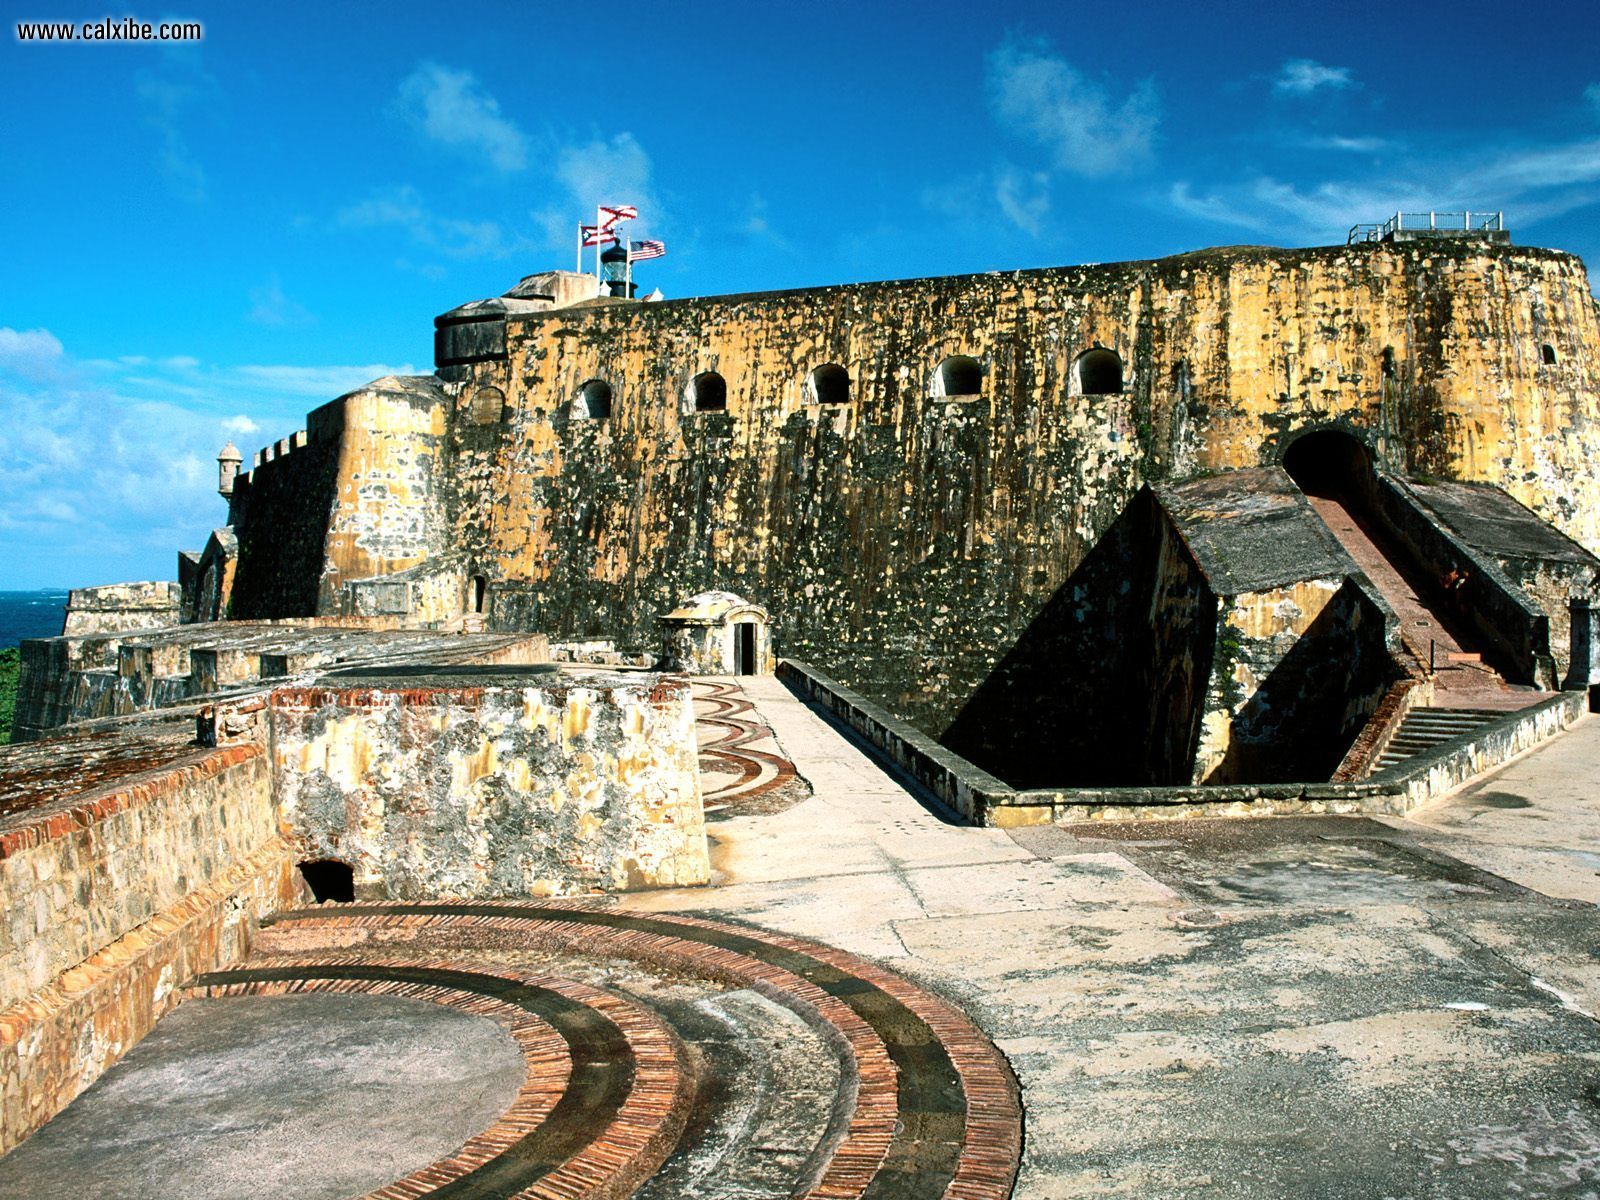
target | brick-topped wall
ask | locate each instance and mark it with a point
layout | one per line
(116, 893)
(77, 880)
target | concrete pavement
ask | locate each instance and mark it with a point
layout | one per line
(1293, 1007)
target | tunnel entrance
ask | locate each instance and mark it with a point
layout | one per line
(1330, 463)
(329, 880)
(1432, 597)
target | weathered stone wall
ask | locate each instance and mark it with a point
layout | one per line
(123, 606)
(361, 496)
(905, 539)
(1104, 686)
(543, 788)
(68, 895)
(115, 896)
(279, 514)
(1297, 672)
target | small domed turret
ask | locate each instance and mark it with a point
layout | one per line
(228, 460)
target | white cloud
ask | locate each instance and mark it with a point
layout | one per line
(608, 171)
(452, 108)
(171, 95)
(269, 306)
(1303, 76)
(32, 353)
(1046, 100)
(1023, 196)
(1530, 183)
(404, 208)
(141, 438)
(1552, 166)
(1350, 145)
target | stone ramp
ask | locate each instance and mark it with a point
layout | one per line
(1461, 678)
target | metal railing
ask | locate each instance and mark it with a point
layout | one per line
(1433, 222)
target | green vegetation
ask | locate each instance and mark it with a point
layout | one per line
(10, 668)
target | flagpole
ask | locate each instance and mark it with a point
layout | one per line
(578, 270)
(627, 248)
(598, 220)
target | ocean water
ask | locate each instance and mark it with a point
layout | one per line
(30, 615)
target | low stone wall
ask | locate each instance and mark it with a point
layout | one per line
(119, 606)
(1452, 763)
(115, 896)
(499, 786)
(67, 680)
(985, 800)
(958, 784)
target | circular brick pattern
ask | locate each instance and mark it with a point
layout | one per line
(932, 1106)
(555, 1141)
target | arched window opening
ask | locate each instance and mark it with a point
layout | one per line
(959, 375)
(487, 406)
(593, 402)
(480, 593)
(329, 880)
(1549, 354)
(829, 384)
(708, 392)
(1099, 372)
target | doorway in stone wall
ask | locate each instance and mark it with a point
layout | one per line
(744, 648)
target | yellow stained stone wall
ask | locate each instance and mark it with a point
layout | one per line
(585, 783)
(904, 538)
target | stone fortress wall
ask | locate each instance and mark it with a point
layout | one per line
(904, 524)
(171, 780)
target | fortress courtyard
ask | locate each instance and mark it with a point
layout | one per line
(1295, 1006)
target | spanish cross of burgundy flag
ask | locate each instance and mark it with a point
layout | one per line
(647, 249)
(593, 235)
(617, 212)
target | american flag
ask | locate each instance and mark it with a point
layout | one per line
(593, 235)
(617, 212)
(649, 249)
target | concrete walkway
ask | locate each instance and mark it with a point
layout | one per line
(1295, 1007)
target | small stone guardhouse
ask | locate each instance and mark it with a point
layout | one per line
(717, 633)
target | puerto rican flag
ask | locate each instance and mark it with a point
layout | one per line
(646, 249)
(617, 212)
(594, 235)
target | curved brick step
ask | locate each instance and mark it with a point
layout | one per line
(926, 1107)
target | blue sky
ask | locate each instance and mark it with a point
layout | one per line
(205, 241)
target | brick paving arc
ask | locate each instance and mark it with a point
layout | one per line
(934, 1109)
(555, 1140)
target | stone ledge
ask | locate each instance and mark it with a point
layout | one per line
(985, 800)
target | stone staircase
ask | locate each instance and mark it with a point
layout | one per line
(1424, 728)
